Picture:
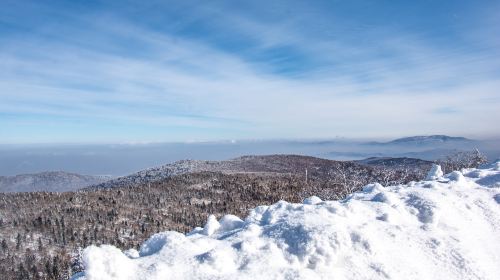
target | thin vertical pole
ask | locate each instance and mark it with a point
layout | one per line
(306, 176)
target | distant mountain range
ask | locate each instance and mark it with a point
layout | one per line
(430, 147)
(426, 140)
(55, 181)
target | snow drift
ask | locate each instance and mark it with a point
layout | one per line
(447, 227)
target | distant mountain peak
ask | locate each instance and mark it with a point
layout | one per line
(421, 139)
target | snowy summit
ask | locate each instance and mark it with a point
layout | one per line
(447, 227)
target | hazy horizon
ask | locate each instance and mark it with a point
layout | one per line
(123, 159)
(232, 140)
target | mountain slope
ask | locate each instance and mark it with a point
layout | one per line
(396, 162)
(247, 164)
(55, 181)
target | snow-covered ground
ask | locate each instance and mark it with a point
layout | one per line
(447, 227)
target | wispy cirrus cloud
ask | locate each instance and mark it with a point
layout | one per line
(212, 72)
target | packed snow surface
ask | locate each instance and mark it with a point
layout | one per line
(444, 228)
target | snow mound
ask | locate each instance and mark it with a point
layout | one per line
(435, 172)
(434, 229)
(312, 200)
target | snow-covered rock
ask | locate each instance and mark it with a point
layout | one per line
(438, 229)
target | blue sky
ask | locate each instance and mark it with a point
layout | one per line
(129, 71)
